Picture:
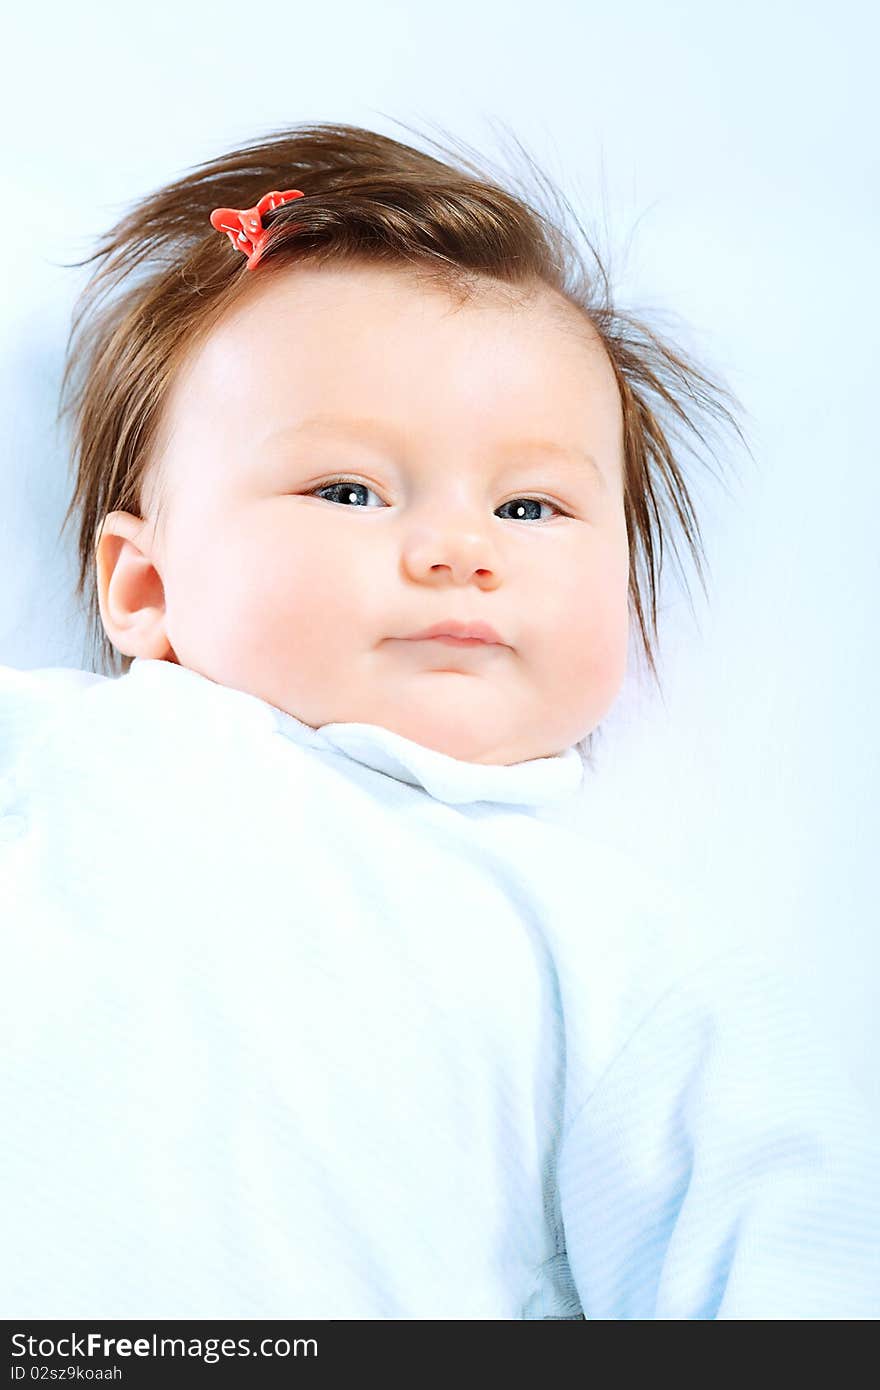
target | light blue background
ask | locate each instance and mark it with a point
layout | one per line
(728, 157)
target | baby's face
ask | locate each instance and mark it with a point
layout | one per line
(480, 453)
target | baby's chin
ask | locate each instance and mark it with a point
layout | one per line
(489, 747)
(463, 720)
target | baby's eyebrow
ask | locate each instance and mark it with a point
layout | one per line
(562, 453)
(366, 427)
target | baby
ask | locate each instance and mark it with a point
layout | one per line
(312, 1011)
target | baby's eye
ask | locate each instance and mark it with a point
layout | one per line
(347, 488)
(348, 491)
(520, 507)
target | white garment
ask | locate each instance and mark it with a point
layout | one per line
(323, 1023)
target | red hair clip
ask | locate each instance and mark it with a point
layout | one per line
(244, 226)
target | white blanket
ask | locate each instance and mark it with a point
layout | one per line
(322, 1023)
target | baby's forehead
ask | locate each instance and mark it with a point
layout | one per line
(408, 327)
(396, 297)
(474, 360)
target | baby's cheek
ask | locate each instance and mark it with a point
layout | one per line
(584, 631)
(592, 652)
(300, 599)
(231, 590)
(584, 602)
(279, 603)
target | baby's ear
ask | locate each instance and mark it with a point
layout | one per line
(131, 594)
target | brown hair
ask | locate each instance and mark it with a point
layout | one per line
(167, 276)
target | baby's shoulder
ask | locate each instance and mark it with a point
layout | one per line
(31, 698)
(611, 908)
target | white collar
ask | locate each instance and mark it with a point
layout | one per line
(535, 782)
